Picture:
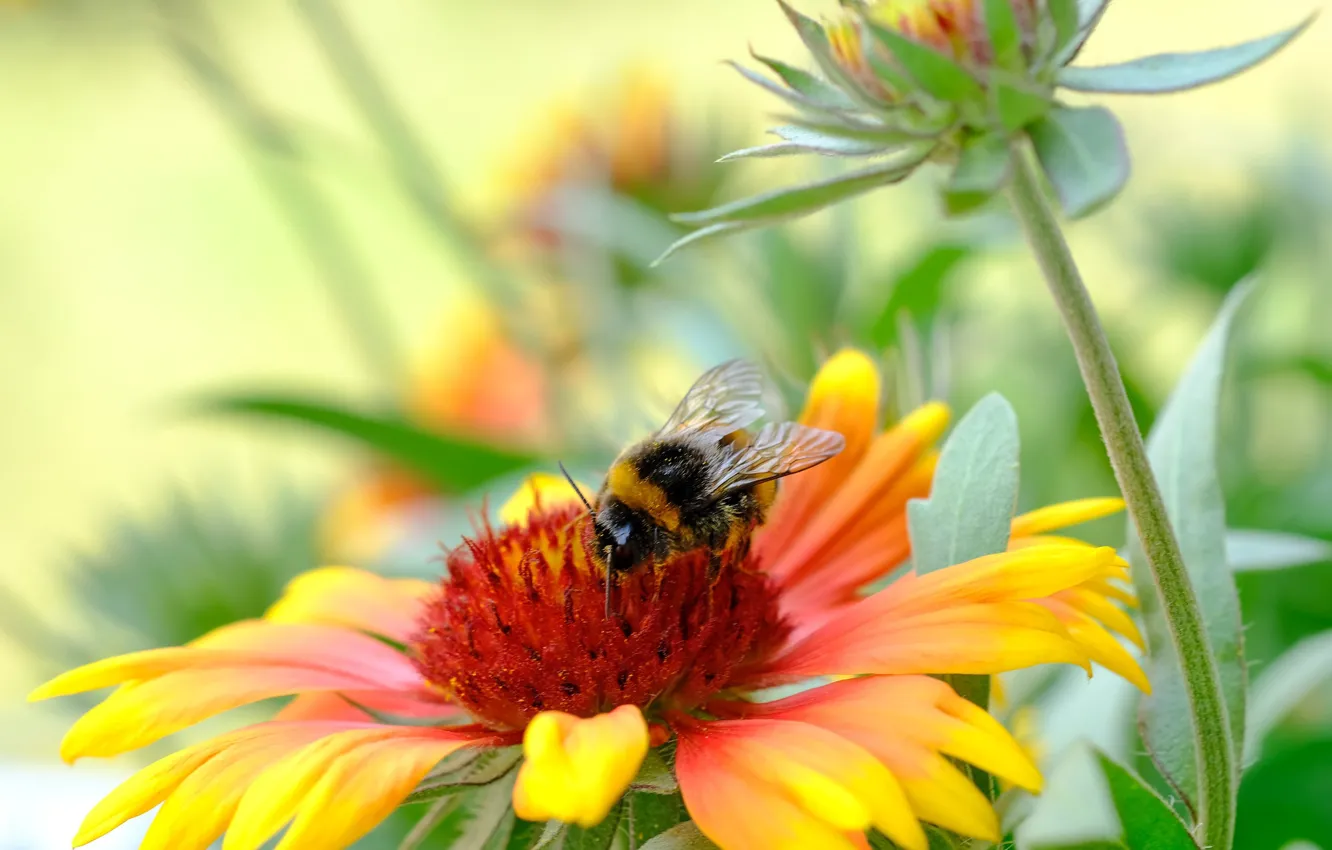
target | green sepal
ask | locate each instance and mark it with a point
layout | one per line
(1172, 72)
(705, 233)
(936, 74)
(1082, 152)
(686, 836)
(1089, 16)
(981, 171)
(657, 774)
(807, 85)
(804, 199)
(1063, 16)
(816, 42)
(1018, 102)
(1001, 25)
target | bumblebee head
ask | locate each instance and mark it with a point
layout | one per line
(621, 535)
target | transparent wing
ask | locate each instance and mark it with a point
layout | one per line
(724, 399)
(778, 449)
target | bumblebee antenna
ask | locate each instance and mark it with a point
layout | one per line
(592, 513)
(574, 485)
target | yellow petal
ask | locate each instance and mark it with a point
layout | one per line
(551, 491)
(576, 769)
(1063, 515)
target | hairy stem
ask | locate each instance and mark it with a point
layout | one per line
(1128, 457)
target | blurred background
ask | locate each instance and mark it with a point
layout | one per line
(293, 283)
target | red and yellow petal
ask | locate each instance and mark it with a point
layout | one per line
(766, 783)
(975, 617)
(576, 769)
(353, 599)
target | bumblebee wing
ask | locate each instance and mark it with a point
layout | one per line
(779, 449)
(724, 399)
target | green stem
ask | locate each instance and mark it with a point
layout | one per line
(1123, 442)
(275, 156)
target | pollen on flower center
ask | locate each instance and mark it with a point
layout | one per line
(519, 625)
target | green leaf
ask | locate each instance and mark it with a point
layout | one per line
(492, 820)
(1091, 801)
(1001, 24)
(683, 837)
(1147, 820)
(599, 837)
(1082, 152)
(1171, 72)
(649, 815)
(809, 197)
(451, 463)
(1182, 448)
(1283, 800)
(1018, 102)
(981, 170)
(970, 508)
(1283, 685)
(487, 768)
(528, 835)
(1255, 551)
(807, 85)
(937, 74)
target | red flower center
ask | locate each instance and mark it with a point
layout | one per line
(520, 625)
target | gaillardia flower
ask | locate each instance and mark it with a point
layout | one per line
(394, 679)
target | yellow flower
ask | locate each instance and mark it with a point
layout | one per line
(515, 644)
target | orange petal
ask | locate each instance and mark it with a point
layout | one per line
(777, 783)
(1063, 515)
(342, 596)
(327, 705)
(877, 478)
(576, 769)
(843, 397)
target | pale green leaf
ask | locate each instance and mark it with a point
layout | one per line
(492, 819)
(1064, 15)
(684, 837)
(981, 170)
(1170, 72)
(936, 74)
(656, 774)
(810, 197)
(970, 508)
(1082, 152)
(1283, 685)
(1182, 448)
(1255, 551)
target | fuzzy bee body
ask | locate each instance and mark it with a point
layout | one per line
(702, 481)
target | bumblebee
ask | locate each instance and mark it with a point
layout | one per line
(702, 480)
